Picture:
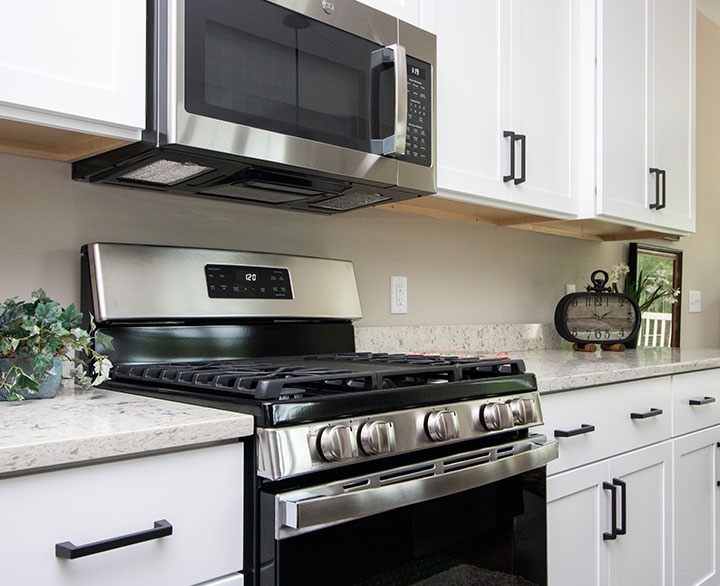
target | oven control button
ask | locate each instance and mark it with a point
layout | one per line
(442, 425)
(337, 442)
(377, 437)
(496, 416)
(524, 411)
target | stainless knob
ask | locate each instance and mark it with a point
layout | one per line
(496, 416)
(442, 426)
(337, 443)
(377, 437)
(524, 411)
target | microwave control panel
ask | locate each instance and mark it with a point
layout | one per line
(418, 146)
(244, 282)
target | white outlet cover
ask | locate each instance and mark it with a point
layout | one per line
(695, 301)
(398, 294)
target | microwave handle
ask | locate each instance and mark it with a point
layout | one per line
(395, 143)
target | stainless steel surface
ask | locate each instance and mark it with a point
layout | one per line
(496, 416)
(328, 6)
(377, 437)
(442, 426)
(523, 410)
(401, 101)
(137, 282)
(290, 451)
(177, 126)
(314, 508)
(337, 443)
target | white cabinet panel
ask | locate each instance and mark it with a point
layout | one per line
(78, 65)
(199, 492)
(696, 513)
(407, 10)
(696, 401)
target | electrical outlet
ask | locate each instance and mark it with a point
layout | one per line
(398, 294)
(695, 300)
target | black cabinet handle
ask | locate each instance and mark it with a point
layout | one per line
(521, 138)
(511, 135)
(70, 551)
(652, 413)
(584, 428)
(613, 512)
(660, 176)
(622, 530)
(703, 401)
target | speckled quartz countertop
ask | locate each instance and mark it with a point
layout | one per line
(79, 425)
(559, 370)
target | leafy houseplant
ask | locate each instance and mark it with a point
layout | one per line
(34, 339)
(647, 289)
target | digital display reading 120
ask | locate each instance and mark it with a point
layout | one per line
(242, 282)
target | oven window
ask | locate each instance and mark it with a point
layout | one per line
(258, 64)
(491, 535)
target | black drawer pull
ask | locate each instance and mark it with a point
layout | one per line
(584, 428)
(70, 551)
(652, 413)
(613, 512)
(703, 401)
(622, 530)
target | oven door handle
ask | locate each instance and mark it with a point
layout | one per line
(395, 143)
(302, 511)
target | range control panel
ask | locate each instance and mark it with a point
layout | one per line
(418, 145)
(246, 282)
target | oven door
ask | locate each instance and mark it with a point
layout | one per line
(287, 82)
(475, 517)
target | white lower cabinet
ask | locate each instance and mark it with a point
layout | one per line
(655, 443)
(199, 492)
(696, 516)
(586, 547)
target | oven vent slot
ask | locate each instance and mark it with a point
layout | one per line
(356, 484)
(466, 462)
(505, 452)
(411, 474)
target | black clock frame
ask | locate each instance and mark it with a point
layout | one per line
(561, 315)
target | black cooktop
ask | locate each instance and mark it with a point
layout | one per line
(289, 390)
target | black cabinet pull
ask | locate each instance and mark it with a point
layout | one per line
(613, 512)
(521, 138)
(664, 190)
(584, 428)
(660, 176)
(652, 413)
(70, 551)
(511, 135)
(703, 401)
(622, 530)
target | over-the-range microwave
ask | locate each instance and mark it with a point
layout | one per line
(315, 105)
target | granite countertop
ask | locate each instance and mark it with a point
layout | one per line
(560, 370)
(79, 425)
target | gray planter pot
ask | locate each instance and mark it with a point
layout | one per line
(49, 381)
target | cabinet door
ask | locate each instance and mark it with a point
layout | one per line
(78, 65)
(696, 514)
(472, 155)
(643, 554)
(539, 74)
(576, 519)
(673, 108)
(623, 176)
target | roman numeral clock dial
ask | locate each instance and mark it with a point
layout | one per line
(597, 316)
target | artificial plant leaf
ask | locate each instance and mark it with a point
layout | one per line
(104, 340)
(71, 317)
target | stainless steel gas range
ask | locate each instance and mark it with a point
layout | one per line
(366, 468)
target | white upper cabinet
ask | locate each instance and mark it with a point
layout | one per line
(646, 107)
(78, 65)
(508, 115)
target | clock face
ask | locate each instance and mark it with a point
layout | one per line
(600, 318)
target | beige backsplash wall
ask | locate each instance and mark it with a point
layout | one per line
(458, 273)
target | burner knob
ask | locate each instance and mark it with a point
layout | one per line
(377, 437)
(442, 426)
(524, 411)
(337, 443)
(496, 416)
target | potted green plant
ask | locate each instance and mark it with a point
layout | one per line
(35, 337)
